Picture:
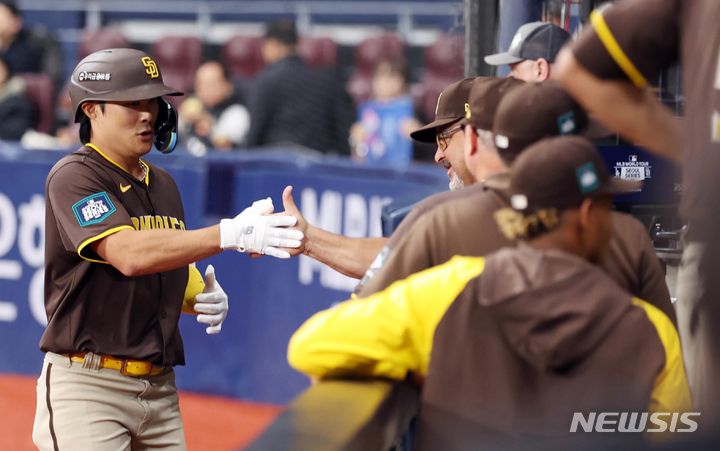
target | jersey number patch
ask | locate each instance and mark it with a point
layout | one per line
(93, 209)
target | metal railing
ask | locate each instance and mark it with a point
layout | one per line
(343, 415)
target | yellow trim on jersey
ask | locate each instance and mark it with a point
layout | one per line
(97, 237)
(387, 334)
(671, 392)
(615, 51)
(195, 285)
(142, 163)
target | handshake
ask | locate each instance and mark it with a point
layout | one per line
(256, 230)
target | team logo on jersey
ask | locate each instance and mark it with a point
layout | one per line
(633, 169)
(150, 67)
(93, 209)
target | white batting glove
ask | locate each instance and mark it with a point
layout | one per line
(254, 230)
(212, 303)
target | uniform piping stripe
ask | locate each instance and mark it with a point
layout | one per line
(102, 154)
(615, 51)
(49, 406)
(97, 237)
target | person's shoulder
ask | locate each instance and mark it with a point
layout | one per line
(628, 226)
(160, 175)
(444, 197)
(626, 220)
(470, 200)
(72, 164)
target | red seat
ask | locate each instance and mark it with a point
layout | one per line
(445, 58)
(242, 55)
(39, 90)
(368, 54)
(178, 58)
(318, 52)
(106, 38)
(444, 63)
(373, 50)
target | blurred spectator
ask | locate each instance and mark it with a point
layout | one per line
(215, 116)
(532, 51)
(28, 50)
(292, 103)
(66, 130)
(382, 133)
(17, 113)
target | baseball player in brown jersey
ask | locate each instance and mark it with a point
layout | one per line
(523, 115)
(608, 69)
(117, 272)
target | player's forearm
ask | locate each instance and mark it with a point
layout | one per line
(637, 114)
(349, 256)
(136, 253)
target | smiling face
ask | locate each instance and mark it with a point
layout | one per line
(450, 154)
(124, 129)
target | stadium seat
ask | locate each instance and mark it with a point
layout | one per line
(445, 57)
(105, 38)
(318, 52)
(367, 55)
(373, 50)
(242, 55)
(39, 90)
(179, 57)
(444, 63)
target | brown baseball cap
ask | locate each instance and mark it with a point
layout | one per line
(117, 74)
(559, 173)
(451, 106)
(536, 111)
(485, 96)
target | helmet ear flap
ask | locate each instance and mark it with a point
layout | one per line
(166, 126)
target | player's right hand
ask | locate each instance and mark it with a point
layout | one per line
(254, 230)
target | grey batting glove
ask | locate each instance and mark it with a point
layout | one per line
(212, 303)
(255, 231)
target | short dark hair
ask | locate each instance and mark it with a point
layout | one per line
(85, 126)
(282, 30)
(394, 66)
(11, 5)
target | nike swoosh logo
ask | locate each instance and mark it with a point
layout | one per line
(124, 188)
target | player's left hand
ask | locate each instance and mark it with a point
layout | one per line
(212, 303)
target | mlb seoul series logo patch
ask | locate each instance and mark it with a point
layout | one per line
(93, 209)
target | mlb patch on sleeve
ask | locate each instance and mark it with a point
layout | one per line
(93, 209)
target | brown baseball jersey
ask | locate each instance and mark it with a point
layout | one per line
(463, 224)
(407, 224)
(635, 40)
(90, 305)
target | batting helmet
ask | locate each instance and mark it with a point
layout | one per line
(125, 75)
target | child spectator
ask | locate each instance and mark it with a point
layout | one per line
(382, 132)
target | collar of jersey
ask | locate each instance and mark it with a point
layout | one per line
(102, 154)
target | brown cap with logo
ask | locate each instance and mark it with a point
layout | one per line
(559, 173)
(119, 75)
(485, 96)
(451, 106)
(536, 111)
